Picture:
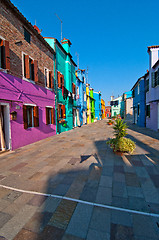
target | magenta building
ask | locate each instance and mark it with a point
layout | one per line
(15, 94)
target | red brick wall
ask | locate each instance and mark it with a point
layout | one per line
(12, 30)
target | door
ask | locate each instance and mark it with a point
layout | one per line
(135, 115)
(78, 118)
(4, 127)
(158, 116)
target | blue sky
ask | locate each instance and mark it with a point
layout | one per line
(111, 37)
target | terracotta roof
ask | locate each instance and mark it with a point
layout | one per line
(28, 24)
(155, 46)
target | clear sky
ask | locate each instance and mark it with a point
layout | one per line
(111, 37)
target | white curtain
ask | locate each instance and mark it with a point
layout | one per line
(2, 140)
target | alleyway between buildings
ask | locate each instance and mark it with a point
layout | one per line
(72, 187)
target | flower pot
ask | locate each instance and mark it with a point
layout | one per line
(110, 123)
(119, 153)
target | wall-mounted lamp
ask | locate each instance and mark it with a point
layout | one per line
(13, 115)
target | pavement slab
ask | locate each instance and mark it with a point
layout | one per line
(85, 169)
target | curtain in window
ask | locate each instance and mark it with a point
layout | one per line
(2, 140)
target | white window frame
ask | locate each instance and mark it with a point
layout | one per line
(48, 70)
(4, 70)
(85, 99)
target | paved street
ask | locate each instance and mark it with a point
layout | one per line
(119, 195)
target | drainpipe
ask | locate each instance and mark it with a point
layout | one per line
(56, 103)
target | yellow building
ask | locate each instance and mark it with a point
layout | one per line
(88, 104)
(103, 108)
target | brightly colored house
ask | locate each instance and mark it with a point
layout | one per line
(107, 111)
(65, 85)
(115, 106)
(139, 101)
(27, 97)
(152, 89)
(127, 106)
(92, 105)
(97, 97)
(103, 108)
(81, 100)
(88, 104)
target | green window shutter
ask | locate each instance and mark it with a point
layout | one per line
(153, 79)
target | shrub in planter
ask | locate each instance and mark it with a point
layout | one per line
(110, 122)
(120, 143)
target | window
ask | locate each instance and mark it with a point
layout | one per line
(60, 79)
(133, 93)
(30, 68)
(77, 90)
(148, 111)
(155, 78)
(4, 54)
(27, 35)
(138, 88)
(147, 85)
(61, 111)
(138, 109)
(73, 88)
(48, 78)
(84, 96)
(30, 116)
(50, 115)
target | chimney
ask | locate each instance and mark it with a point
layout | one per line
(112, 98)
(153, 55)
(66, 44)
(37, 29)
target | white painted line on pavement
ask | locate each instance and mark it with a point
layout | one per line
(81, 201)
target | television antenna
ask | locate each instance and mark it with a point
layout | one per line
(61, 24)
(77, 59)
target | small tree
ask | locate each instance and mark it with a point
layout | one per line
(120, 143)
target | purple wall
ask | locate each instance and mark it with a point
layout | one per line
(152, 122)
(20, 92)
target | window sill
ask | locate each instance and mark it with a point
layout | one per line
(3, 70)
(28, 80)
(49, 88)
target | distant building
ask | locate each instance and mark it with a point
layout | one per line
(107, 111)
(81, 99)
(92, 105)
(97, 97)
(115, 106)
(103, 108)
(126, 111)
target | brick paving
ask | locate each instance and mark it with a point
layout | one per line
(78, 164)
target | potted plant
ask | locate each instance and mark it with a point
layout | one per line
(110, 122)
(120, 144)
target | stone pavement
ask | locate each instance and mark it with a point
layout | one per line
(79, 165)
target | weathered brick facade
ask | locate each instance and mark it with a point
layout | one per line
(12, 25)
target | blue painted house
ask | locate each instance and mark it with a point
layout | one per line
(81, 99)
(139, 102)
(97, 97)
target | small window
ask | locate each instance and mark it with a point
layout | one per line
(4, 54)
(147, 85)
(50, 118)
(77, 90)
(148, 111)
(84, 96)
(138, 89)
(48, 78)
(30, 68)
(61, 111)
(30, 116)
(138, 109)
(27, 35)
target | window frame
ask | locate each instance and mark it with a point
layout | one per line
(50, 115)
(24, 68)
(32, 115)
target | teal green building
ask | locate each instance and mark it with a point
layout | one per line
(65, 84)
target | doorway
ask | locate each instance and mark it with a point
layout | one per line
(4, 127)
